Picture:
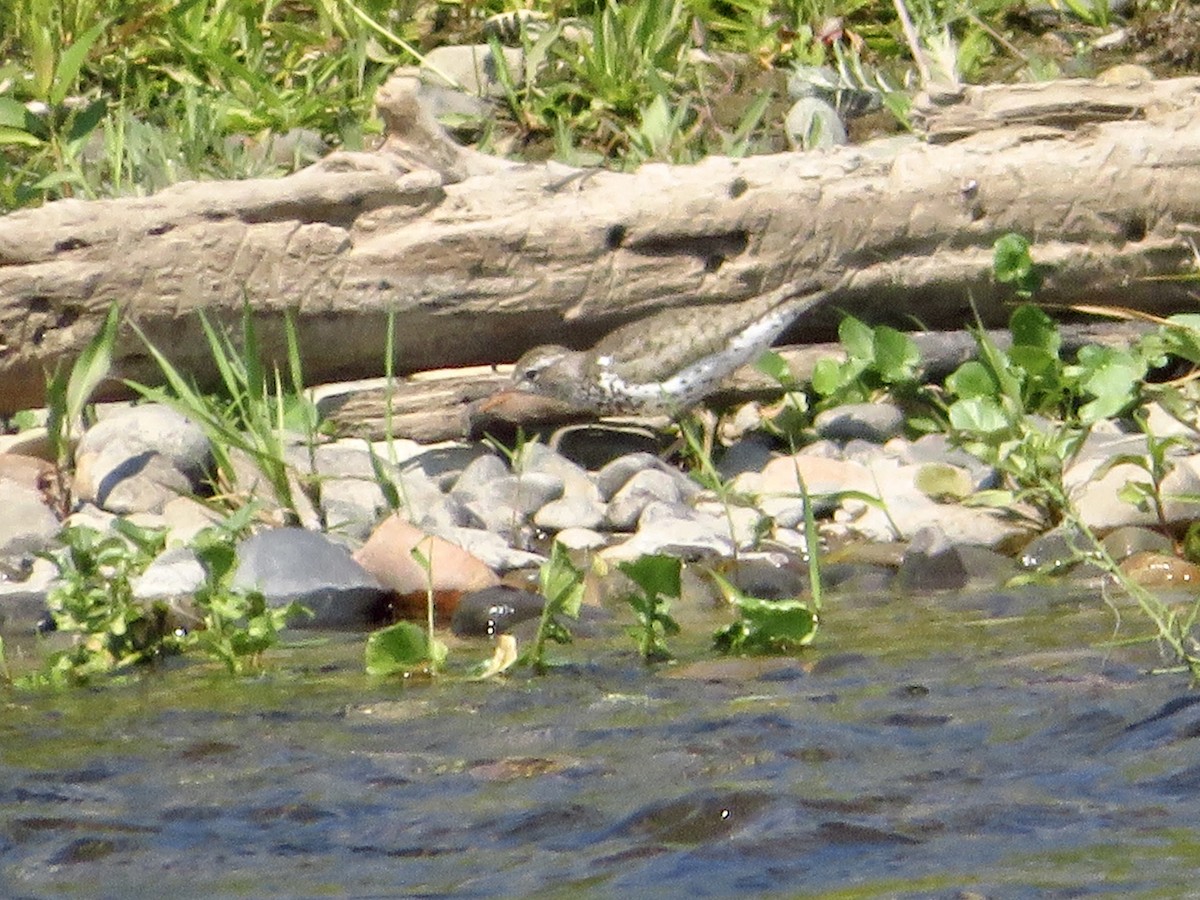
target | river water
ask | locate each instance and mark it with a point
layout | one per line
(952, 745)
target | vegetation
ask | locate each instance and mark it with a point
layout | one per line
(254, 415)
(657, 579)
(94, 600)
(68, 395)
(105, 97)
(562, 586)
(235, 627)
(112, 631)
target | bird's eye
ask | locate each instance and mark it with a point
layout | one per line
(531, 373)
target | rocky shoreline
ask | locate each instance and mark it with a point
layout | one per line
(893, 513)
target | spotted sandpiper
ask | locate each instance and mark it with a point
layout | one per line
(665, 363)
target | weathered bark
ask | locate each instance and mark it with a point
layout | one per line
(481, 259)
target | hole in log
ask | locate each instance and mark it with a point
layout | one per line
(702, 246)
(69, 244)
(1135, 229)
(737, 187)
(614, 237)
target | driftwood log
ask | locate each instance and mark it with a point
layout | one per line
(480, 258)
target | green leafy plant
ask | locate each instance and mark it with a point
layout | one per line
(255, 412)
(878, 360)
(1157, 462)
(93, 602)
(52, 124)
(392, 488)
(68, 393)
(1013, 264)
(812, 544)
(658, 581)
(763, 626)
(775, 626)
(182, 90)
(1097, 13)
(562, 586)
(236, 626)
(1027, 411)
(403, 647)
(112, 631)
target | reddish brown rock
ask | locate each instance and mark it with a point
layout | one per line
(388, 555)
(1159, 570)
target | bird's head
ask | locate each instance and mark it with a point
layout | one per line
(550, 371)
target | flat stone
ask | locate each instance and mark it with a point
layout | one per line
(576, 480)
(186, 517)
(683, 538)
(1054, 551)
(812, 124)
(1131, 539)
(595, 446)
(471, 68)
(744, 524)
(23, 603)
(581, 539)
(144, 483)
(353, 501)
(446, 104)
(294, 564)
(821, 475)
(88, 515)
(504, 505)
(33, 472)
(903, 509)
(937, 449)
(444, 461)
(251, 482)
(28, 442)
(933, 563)
(478, 473)
(874, 422)
(570, 512)
(748, 455)
(1162, 424)
(351, 498)
(175, 575)
(1095, 487)
(1161, 571)
(768, 575)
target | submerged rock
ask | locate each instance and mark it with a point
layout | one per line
(495, 610)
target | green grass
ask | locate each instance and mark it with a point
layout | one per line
(108, 97)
